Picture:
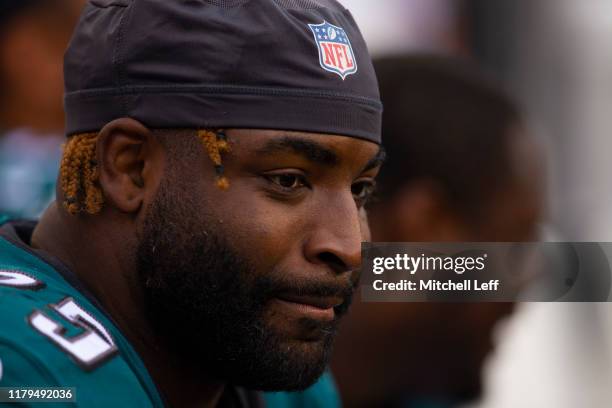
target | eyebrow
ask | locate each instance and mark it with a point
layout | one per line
(308, 149)
(377, 160)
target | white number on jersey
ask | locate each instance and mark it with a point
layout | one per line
(19, 280)
(89, 349)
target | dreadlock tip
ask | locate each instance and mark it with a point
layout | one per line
(222, 183)
(223, 146)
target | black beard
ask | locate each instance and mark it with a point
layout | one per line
(207, 302)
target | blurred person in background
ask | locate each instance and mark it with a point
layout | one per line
(461, 166)
(33, 37)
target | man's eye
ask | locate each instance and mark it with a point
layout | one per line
(362, 191)
(288, 181)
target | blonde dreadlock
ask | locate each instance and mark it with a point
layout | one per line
(79, 173)
(216, 144)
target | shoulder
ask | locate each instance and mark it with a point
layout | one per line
(30, 290)
(52, 336)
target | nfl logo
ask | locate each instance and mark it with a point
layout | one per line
(335, 51)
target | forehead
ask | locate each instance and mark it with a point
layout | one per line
(321, 148)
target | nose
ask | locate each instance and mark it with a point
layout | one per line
(335, 240)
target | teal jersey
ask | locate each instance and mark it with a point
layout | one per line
(54, 335)
(321, 395)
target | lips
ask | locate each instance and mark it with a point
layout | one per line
(314, 308)
(319, 302)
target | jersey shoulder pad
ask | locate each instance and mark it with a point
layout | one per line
(51, 335)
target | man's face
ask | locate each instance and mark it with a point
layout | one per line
(249, 283)
(515, 212)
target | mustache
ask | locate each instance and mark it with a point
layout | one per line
(319, 288)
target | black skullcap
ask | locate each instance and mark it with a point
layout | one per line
(268, 64)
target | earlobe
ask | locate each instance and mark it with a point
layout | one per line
(428, 214)
(124, 152)
(425, 214)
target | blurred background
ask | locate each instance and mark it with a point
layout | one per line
(552, 56)
(33, 37)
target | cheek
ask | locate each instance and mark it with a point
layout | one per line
(266, 232)
(364, 226)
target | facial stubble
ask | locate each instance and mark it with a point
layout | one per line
(208, 303)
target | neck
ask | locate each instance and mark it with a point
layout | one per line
(62, 235)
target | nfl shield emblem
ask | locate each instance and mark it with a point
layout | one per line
(335, 51)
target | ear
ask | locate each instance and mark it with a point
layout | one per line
(129, 161)
(423, 214)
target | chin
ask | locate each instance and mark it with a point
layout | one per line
(287, 362)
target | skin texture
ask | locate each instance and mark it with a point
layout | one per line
(435, 349)
(291, 217)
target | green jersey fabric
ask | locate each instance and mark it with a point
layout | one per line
(321, 395)
(55, 335)
(117, 378)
